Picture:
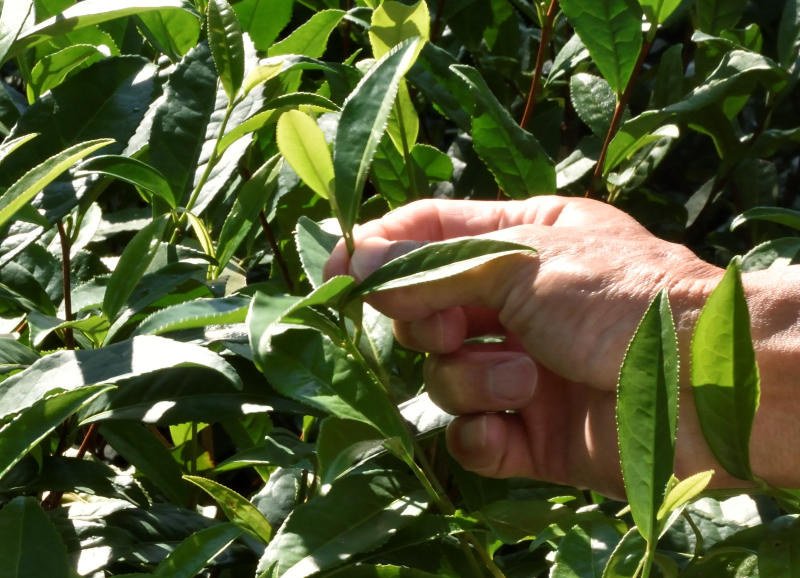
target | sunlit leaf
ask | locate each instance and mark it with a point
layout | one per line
(303, 145)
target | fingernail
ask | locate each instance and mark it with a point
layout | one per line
(513, 380)
(370, 254)
(472, 433)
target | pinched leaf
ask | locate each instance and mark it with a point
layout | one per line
(32, 546)
(32, 182)
(31, 426)
(132, 171)
(328, 530)
(195, 313)
(303, 145)
(236, 508)
(724, 374)
(393, 22)
(68, 370)
(612, 32)
(133, 262)
(584, 553)
(647, 414)
(516, 159)
(197, 551)
(227, 46)
(362, 124)
(436, 261)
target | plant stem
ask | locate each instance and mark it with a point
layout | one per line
(437, 21)
(616, 121)
(541, 55)
(698, 535)
(647, 562)
(69, 338)
(277, 256)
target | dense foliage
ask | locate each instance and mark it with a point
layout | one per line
(181, 393)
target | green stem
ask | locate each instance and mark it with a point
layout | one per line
(69, 338)
(646, 565)
(212, 161)
(698, 535)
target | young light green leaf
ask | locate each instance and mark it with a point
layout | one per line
(647, 414)
(657, 11)
(195, 313)
(236, 508)
(263, 19)
(393, 22)
(311, 38)
(516, 159)
(132, 171)
(327, 530)
(32, 546)
(684, 492)
(36, 179)
(35, 422)
(612, 32)
(724, 374)
(303, 145)
(53, 68)
(89, 13)
(436, 261)
(133, 262)
(197, 551)
(227, 46)
(582, 553)
(780, 215)
(362, 124)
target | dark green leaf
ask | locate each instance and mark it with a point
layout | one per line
(134, 261)
(612, 32)
(327, 530)
(788, 34)
(776, 253)
(361, 127)
(788, 217)
(314, 245)
(516, 159)
(149, 455)
(779, 550)
(227, 46)
(134, 172)
(37, 420)
(724, 374)
(624, 560)
(714, 16)
(594, 101)
(583, 554)
(437, 261)
(32, 547)
(195, 313)
(236, 508)
(197, 551)
(341, 442)
(281, 448)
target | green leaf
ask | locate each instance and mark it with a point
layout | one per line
(516, 159)
(583, 554)
(311, 38)
(32, 546)
(264, 19)
(684, 492)
(724, 374)
(132, 264)
(12, 19)
(197, 551)
(393, 22)
(362, 124)
(340, 443)
(149, 455)
(89, 13)
(788, 34)
(647, 414)
(779, 550)
(624, 560)
(303, 145)
(438, 166)
(37, 420)
(173, 32)
(776, 253)
(263, 318)
(236, 508)
(32, 182)
(714, 16)
(132, 171)
(227, 46)
(594, 101)
(328, 530)
(195, 313)
(780, 215)
(53, 68)
(9, 146)
(436, 261)
(657, 11)
(68, 370)
(314, 246)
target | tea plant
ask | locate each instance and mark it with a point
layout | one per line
(182, 393)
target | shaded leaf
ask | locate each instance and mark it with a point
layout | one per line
(227, 46)
(625, 558)
(53, 68)
(197, 551)
(583, 554)
(724, 374)
(32, 546)
(314, 246)
(340, 443)
(714, 16)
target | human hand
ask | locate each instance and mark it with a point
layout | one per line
(567, 315)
